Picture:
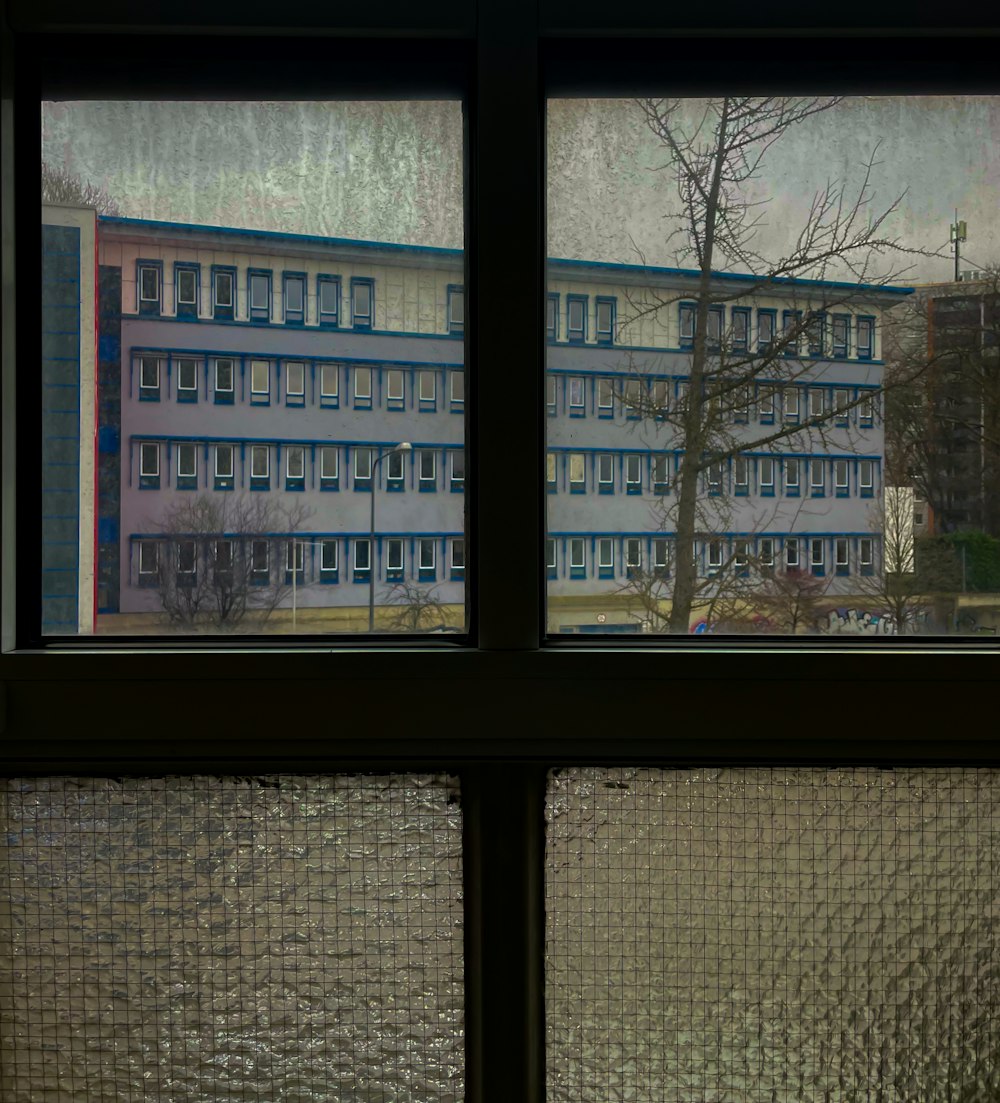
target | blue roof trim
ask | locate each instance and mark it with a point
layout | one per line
(276, 235)
(743, 277)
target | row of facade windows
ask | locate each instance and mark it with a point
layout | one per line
(297, 306)
(262, 561)
(295, 383)
(640, 472)
(604, 396)
(615, 556)
(263, 465)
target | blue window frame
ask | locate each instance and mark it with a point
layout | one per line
(767, 323)
(361, 556)
(394, 473)
(576, 468)
(362, 302)
(607, 310)
(552, 316)
(766, 398)
(427, 390)
(842, 399)
(457, 480)
(716, 326)
(632, 556)
(841, 478)
(817, 556)
(149, 563)
(328, 300)
(633, 473)
(223, 292)
(393, 384)
(260, 562)
(456, 308)
(294, 297)
(660, 472)
(866, 556)
(329, 467)
(394, 562)
(187, 467)
(816, 334)
(866, 478)
(456, 391)
(605, 398)
(840, 335)
(741, 328)
(427, 470)
(363, 461)
(225, 382)
(866, 410)
(765, 476)
(225, 467)
(817, 477)
(259, 293)
(260, 467)
(186, 372)
(714, 477)
(149, 465)
(686, 324)
(741, 476)
(361, 387)
(576, 394)
(295, 561)
(793, 476)
(605, 473)
(260, 382)
(790, 320)
(576, 318)
(329, 562)
(577, 552)
(149, 286)
(841, 561)
(551, 461)
(551, 567)
(295, 382)
(187, 290)
(295, 467)
(329, 385)
(605, 557)
(458, 559)
(150, 377)
(426, 559)
(866, 337)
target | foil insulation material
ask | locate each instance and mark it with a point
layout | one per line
(773, 936)
(211, 939)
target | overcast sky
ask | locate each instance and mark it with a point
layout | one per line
(392, 171)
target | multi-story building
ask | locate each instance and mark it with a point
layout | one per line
(270, 378)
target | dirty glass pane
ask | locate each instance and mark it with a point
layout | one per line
(238, 298)
(189, 939)
(772, 935)
(773, 330)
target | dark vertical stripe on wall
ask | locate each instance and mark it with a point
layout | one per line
(109, 419)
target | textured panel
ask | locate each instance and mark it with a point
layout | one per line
(212, 939)
(773, 936)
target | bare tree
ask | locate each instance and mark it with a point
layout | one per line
(713, 159)
(225, 562)
(60, 186)
(418, 608)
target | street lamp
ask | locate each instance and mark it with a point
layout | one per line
(404, 447)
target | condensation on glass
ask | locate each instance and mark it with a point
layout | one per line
(797, 442)
(245, 327)
(773, 935)
(215, 939)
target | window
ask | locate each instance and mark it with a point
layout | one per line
(149, 379)
(686, 325)
(765, 474)
(577, 557)
(716, 324)
(765, 551)
(550, 470)
(223, 293)
(362, 557)
(149, 287)
(187, 563)
(394, 392)
(661, 556)
(550, 558)
(295, 560)
(605, 472)
(223, 467)
(766, 320)
(634, 399)
(362, 294)
(713, 477)
(223, 561)
(187, 380)
(149, 466)
(329, 384)
(866, 555)
(187, 467)
(224, 382)
(817, 402)
(295, 466)
(329, 467)
(633, 473)
(793, 476)
(840, 478)
(149, 563)
(328, 293)
(741, 475)
(458, 469)
(576, 397)
(791, 320)
(576, 318)
(817, 478)
(576, 472)
(260, 465)
(457, 390)
(716, 556)
(792, 553)
(328, 560)
(362, 468)
(552, 317)
(815, 334)
(866, 478)
(605, 321)
(260, 382)
(741, 554)
(866, 411)
(765, 405)
(427, 560)
(841, 335)
(427, 468)
(456, 309)
(661, 398)
(816, 553)
(295, 298)
(260, 561)
(260, 295)
(605, 397)
(394, 471)
(866, 338)
(362, 388)
(841, 561)
(842, 397)
(427, 386)
(741, 328)
(660, 473)
(186, 290)
(295, 383)
(394, 559)
(457, 556)
(550, 395)
(606, 557)
(791, 404)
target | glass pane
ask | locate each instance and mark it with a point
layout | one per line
(221, 939)
(817, 420)
(752, 935)
(315, 309)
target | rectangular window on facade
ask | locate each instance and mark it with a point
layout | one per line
(842, 398)
(260, 296)
(149, 563)
(793, 476)
(362, 387)
(550, 558)
(765, 474)
(328, 293)
(817, 402)
(715, 556)
(605, 397)
(186, 289)
(660, 395)
(816, 555)
(866, 555)
(841, 556)
(716, 325)
(394, 471)
(866, 411)
(295, 382)
(791, 321)
(458, 469)
(550, 395)
(741, 328)
(295, 554)
(661, 556)
(765, 329)
(362, 466)
(577, 557)
(456, 309)
(329, 384)
(660, 473)
(686, 325)
(713, 478)
(394, 559)
(427, 386)
(576, 407)
(427, 469)
(606, 557)
(741, 475)
(815, 334)
(149, 289)
(457, 390)
(741, 554)
(362, 557)
(605, 472)
(187, 380)
(328, 559)
(840, 478)
(260, 381)
(817, 478)
(187, 466)
(576, 318)
(224, 294)
(866, 338)
(260, 463)
(223, 560)
(362, 294)
(187, 563)
(394, 388)
(295, 298)
(149, 466)
(552, 317)
(633, 473)
(550, 470)
(224, 466)
(260, 561)
(576, 472)
(224, 375)
(633, 553)
(605, 321)
(840, 335)
(457, 556)
(329, 466)
(792, 553)
(866, 478)
(295, 464)
(149, 378)
(790, 404)
(634, 405)
(426, 551)
(765, 551)
(765, 405)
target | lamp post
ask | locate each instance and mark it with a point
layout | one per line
(404, 447)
